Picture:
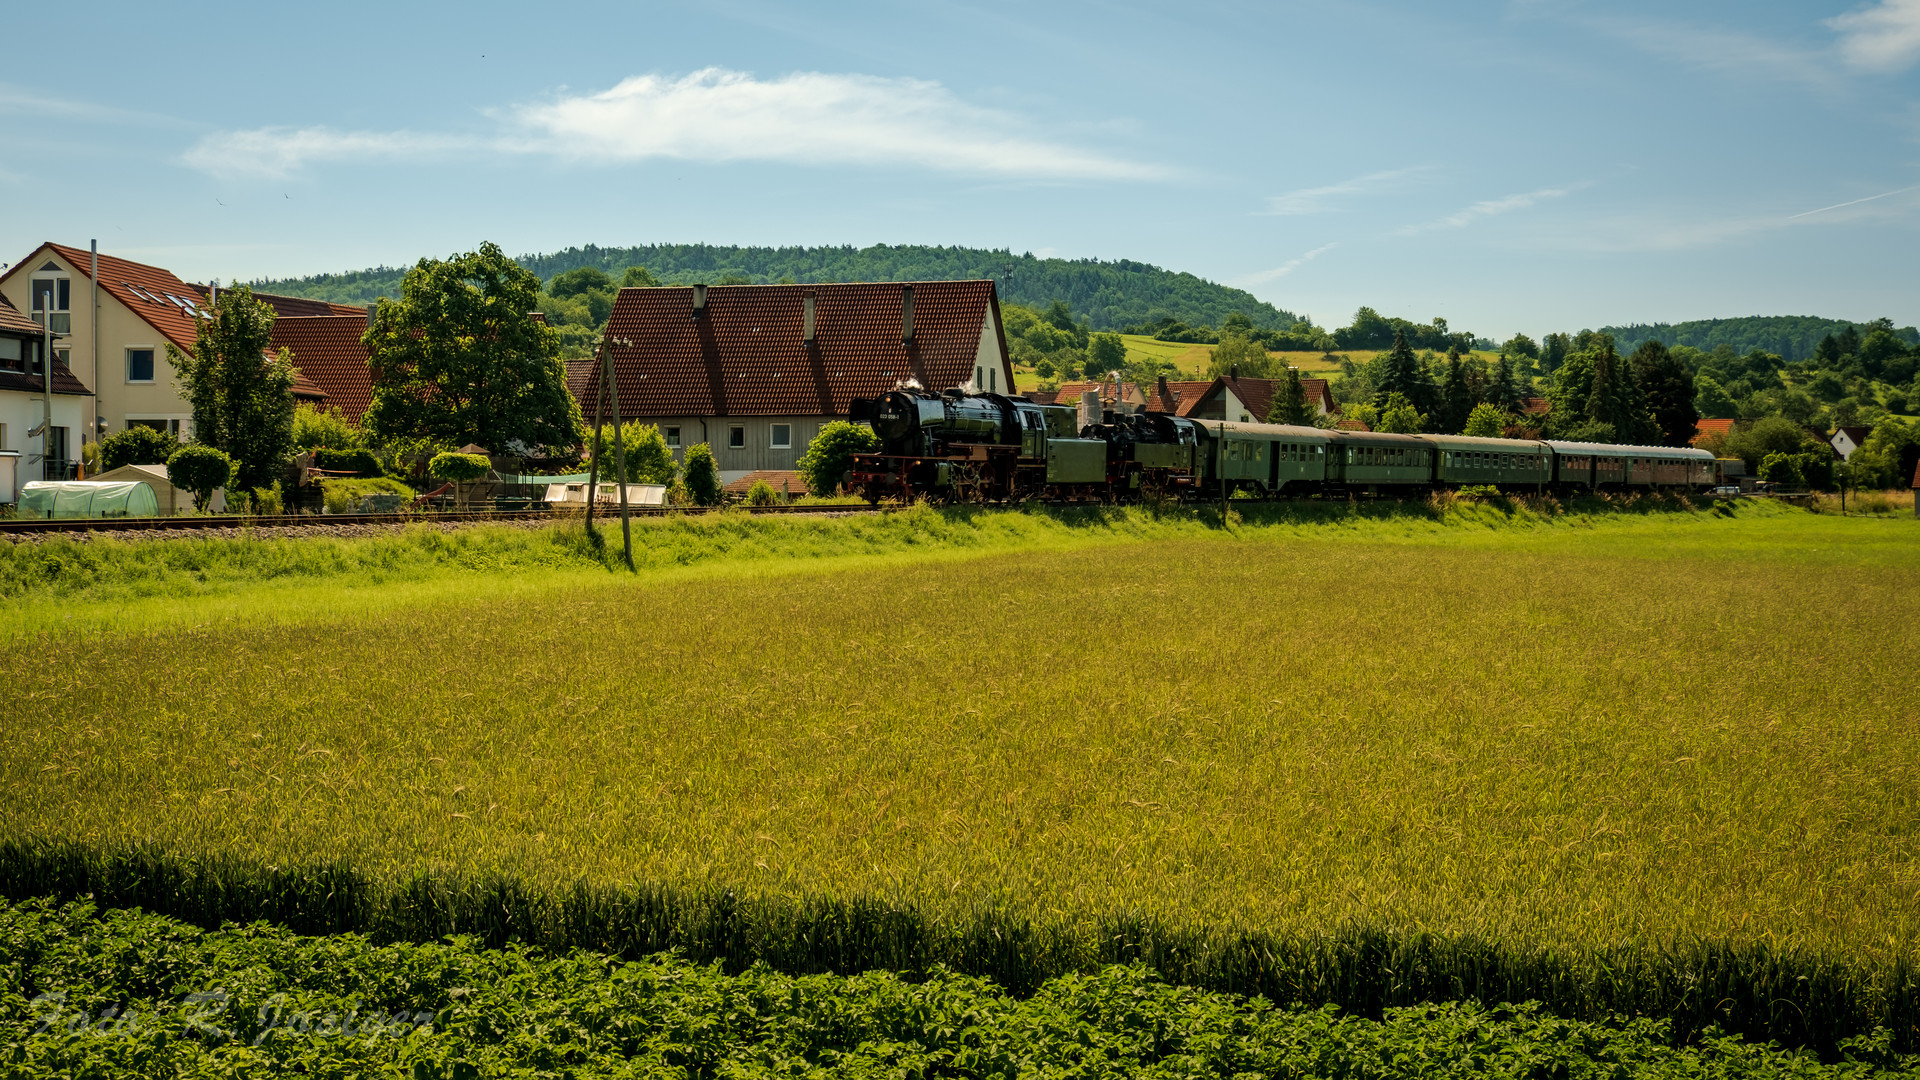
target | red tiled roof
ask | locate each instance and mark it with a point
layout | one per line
(1351, 425)
(119, 278)
(795, 486)
(294, 305)
(1177, 398)
(1536, 406)
(1069, 393)
(1320, 393)
(1857, 434)
(327, 350)
(580, 375)
(1704, 428)
(746, 356)
(11, 319)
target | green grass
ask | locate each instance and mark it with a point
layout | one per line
(1565, 731)
(121, 988)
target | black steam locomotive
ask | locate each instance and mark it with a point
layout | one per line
(990, 448)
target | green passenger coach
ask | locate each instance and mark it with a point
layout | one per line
(1502, 463)
(1604, 465)
(1370, 460)
(1264, 459)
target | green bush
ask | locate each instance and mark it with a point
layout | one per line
(762, 494)
(459, 467)
(200, 469)
(343, 495)
(702, 475)
(1782, 469)
(268, 500)
(649, 458)
(830, 455)
(357, 461)
(136, 446)
(314, 429)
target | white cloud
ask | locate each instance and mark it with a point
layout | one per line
(716, 115)
(1487, 208)
(1884, 37)
(1318, 200)
(277, 152)
(22, 102)
(1721, 51)
(1289, 266)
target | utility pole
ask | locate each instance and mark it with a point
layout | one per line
(619, 442)
(46, 371)
(599, 409)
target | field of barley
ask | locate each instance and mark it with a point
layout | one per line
(1580, 732)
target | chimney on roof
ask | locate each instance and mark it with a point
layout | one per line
(806, 325)
(906, 315)
(1163, 388)
(699, 302)
(1233, 372)
(371, 308)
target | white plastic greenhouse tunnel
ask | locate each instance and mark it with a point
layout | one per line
(87, 499)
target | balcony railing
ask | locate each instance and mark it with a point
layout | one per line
(59, 469)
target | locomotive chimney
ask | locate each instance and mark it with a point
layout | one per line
(699, 302)
(906, 315)
(1089, 407)
(806, 324)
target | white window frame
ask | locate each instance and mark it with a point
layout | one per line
(736, 437)
(126, 366)
(672, 435)
(775, 442)
(176, 426)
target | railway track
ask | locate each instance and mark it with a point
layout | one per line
(295, 521)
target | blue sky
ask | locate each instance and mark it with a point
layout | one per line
(1531, 165)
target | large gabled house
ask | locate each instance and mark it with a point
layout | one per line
(754, 371)
(139, 310)
(1232, 397)
(23, 405)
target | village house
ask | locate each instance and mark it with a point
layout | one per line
(1848, 439)
(120, 349)
(23, 384)
(1239, 399)
(755, 371)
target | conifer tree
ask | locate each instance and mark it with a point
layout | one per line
(1290, 405)
(1456, 397)
(1402, 374)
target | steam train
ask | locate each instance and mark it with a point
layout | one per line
(959, 446)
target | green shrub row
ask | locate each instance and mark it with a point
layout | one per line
(1749, 989)
(135, 994)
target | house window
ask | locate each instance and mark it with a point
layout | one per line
(782, 436)
(139, 365)
(12, 354)
(171, 427)
(673, 436)
(736, 437)
(54, 295)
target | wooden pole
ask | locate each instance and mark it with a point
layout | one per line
(599, 408)
(619, 448)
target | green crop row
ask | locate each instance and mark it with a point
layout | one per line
(1693, 989)
(120, 993)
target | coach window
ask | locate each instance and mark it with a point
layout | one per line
(782, 436)
(736, 437)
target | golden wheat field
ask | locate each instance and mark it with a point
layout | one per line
(1697, 727)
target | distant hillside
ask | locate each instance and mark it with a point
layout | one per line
(1108, 294)
(1791, 337)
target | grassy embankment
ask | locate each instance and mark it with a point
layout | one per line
(1610, 761)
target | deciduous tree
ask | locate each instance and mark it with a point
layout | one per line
(459, 358)
(1668, 389)
(242, 397)
(829, 456)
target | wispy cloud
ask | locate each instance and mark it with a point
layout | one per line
(1718, 50)
(1883, 37)
(1320, 200)
(1487, 208)
(1289, 266)
(715, 115)
(18, 101)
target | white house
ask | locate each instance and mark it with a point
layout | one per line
(23, 403)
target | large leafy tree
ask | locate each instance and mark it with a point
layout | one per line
(460, 359)
(241, 396)
(1668, 388)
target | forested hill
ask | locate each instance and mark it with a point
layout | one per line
(1790, 337)
(1108, 294)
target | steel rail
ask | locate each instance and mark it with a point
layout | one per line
(296, 521)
